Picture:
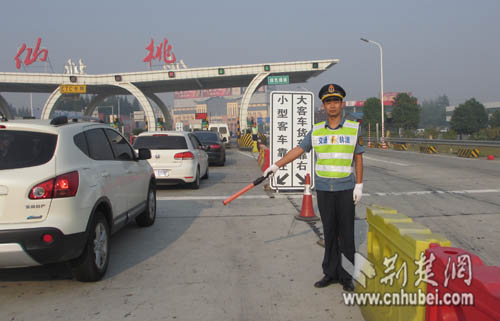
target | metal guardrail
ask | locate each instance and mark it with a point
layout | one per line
(480, 143)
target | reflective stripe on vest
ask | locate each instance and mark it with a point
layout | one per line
(334, 149)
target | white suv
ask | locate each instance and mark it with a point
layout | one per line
(64, 189)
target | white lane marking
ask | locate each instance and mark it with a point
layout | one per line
(281, 196)
(384, 161)
(191, 198)
(432, 155)
(470, 191)
(247, 155)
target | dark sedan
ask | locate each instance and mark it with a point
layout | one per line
(213, 145)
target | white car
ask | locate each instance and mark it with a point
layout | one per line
(176, 157)
(65, 187)
(223, 130)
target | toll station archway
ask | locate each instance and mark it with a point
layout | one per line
(144, 85)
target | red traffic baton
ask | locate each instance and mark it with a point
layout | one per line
(245, 189)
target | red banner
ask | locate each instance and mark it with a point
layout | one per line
(190, 94)
(200, 116)
(389, 99)
(354, 103)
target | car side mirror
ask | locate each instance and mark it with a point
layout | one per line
(224, 139)
(144, 153)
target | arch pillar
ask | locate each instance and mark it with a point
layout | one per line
(133, 90)
(50, 103)
(143, 100)
(4, 108)
(166, 114)
(245, 100)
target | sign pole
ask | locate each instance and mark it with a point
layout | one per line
(369, 136)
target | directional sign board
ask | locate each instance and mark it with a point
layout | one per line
(278, 80)
(291, 119)
(139, 115)
(73, 89)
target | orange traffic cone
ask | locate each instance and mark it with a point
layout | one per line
(307, 211)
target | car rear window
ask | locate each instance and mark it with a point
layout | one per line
(19, 149)
(161, 142)
(223, 130)
(207, 136)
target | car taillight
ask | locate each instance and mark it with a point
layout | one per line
(184, 155)
(65, 185)
(2, 126)
(43, 190)
(216, 146)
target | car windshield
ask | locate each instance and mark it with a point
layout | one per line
(161, 141)
(207, 136)
(19, 149)
(223, 130)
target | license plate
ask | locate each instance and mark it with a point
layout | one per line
(161, 173)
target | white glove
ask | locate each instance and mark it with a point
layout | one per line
(357, 193)
(271, 170)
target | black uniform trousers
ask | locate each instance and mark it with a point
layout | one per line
(337, 215)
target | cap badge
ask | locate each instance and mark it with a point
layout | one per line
(331, 89)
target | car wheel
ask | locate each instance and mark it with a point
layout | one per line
(223, 161)
(206, 174)
(93, 262)
(196, 183)
(147, 218)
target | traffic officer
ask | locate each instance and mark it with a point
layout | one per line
(255, 132)
(339, 187)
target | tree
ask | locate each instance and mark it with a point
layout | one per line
(19, 112)
(372, 113)
(405, 112)
(495, 119)
(72, 102)
(434, 112)
(12, 110)
(469, 117)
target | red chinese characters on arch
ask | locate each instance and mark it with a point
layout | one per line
(31, 55)
(163, 51)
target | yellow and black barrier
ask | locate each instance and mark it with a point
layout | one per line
(468, 152)
(396, 247)
(245, 141)
(400, 146)
(428, 149)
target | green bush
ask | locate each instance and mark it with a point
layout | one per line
(487, 134)
(451, 134)
(431, 132)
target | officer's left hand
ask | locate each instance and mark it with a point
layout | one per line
(357, 193)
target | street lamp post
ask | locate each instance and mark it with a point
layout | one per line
(384, 146)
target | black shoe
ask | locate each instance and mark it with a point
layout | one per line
(348, 286)
(325, 281)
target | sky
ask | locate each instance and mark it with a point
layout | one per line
(430, 48)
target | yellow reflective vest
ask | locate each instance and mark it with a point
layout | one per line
(334, 149)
